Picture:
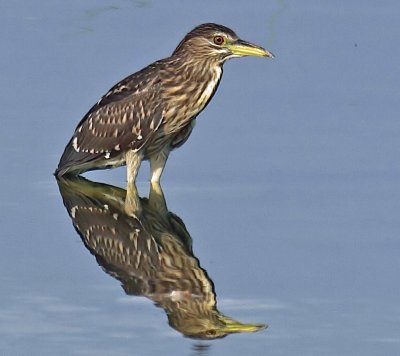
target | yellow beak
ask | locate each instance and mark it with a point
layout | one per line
(243, 48)
(233, 326)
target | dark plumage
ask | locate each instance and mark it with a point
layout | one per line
(151, 112)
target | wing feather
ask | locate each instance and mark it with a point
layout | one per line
(124, 118)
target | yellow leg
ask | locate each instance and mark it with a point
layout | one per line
(157, 164)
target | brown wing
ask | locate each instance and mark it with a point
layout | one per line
(123, 119)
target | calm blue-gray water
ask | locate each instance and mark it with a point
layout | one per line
(286, 196)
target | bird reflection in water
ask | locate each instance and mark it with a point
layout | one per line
(149, 250)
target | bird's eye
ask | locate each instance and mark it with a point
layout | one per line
(211, 332)
(219, 40)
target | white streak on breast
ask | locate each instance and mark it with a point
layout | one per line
(205, 96)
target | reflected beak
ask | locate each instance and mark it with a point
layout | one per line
(233, 326)
(242, 48)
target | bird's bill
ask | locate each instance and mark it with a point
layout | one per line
(233, 326)
(243, 48)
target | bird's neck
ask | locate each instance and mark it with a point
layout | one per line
(200, 69)
(207, 88)
(191, 85)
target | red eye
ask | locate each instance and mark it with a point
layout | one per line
(219, 40)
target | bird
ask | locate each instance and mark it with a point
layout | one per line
(153, 111)
(149, 250)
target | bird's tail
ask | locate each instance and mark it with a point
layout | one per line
(72, 162)
(67, 171)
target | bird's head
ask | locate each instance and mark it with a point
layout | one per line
(217, 42)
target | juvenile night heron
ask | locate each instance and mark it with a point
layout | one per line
(153, 111)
